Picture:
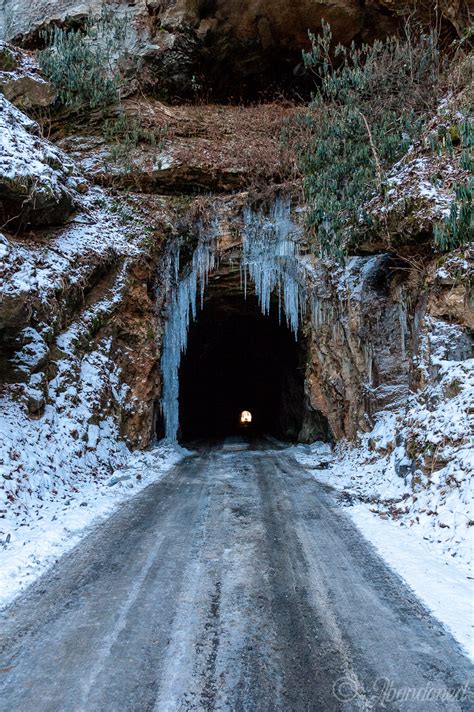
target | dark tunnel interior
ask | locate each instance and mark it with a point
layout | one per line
(236, 360)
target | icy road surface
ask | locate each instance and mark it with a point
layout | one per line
(235, 583)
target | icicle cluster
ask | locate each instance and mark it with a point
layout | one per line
(271, 257)
(182, 308)
(322, 311)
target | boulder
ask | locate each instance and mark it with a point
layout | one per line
(37, 181)
(34, 401)
(20, 80)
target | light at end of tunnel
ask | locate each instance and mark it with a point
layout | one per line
(245, 417)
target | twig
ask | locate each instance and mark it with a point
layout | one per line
(378, 167)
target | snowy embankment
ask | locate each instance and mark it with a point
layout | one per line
(410, 544)
(55, 510)
(63, 396)
(408, 485)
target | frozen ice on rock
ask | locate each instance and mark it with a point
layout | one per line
(271, 252)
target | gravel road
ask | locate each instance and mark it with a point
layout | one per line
(236, 583)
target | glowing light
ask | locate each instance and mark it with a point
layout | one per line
(245, 417)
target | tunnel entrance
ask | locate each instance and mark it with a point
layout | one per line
(235, 348)
(239, 360)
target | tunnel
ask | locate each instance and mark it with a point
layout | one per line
(239, 360)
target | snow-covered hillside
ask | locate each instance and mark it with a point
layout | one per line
(62, 391)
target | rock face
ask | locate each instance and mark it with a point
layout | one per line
(37, 182)
(18, 20)
(86, 293)
(240, 49)
(189, 149)
(353, 369)
(215, 49)
(21, 82)
(61, 286)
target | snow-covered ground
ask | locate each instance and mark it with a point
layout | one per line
(35, 536)
(408, 484)
(436, 566)
(59, 425)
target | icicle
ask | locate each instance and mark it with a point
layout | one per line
(368, 360)
(182, 308)
(270, 257)
(402, 318)
(279, 301)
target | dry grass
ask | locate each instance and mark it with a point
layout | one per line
(241, 139)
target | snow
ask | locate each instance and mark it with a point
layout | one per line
(411, 189)
(408, 483)
(443, 587)
(60, 440)
(34, 536)
(54, 470)
(38, 272)
(31, 268)
(23, 66)
(25, 156)
(439, 570)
